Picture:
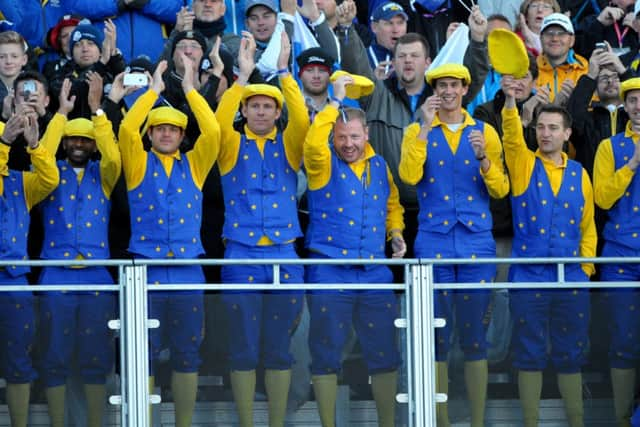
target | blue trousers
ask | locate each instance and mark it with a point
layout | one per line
(623, 307)
(372, 314)
(181, 315)
(558, 315)
(468, 308)
(17, 331)
(76, 321)
(261, 322)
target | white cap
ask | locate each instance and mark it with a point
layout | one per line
(559, 19)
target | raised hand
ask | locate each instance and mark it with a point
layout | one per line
(31, 130)
(157, 84)
(184, 19)
(339, 86)
(246, 55)
(188, 78)
(609, 15)
(285, 51)
(309, 10)
(477, 24)
(94, 97)
(346, 13)
(214, 56)
(13, 128)
(429, 109)
(66, 102)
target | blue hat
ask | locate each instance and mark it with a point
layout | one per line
(388, 10)
(88, 32)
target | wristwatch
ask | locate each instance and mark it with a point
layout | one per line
(99, 112)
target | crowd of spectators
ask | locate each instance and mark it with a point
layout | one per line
(66, 68)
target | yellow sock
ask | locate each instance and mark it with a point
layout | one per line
(184, 386)
(476, 374)
(243, 386)
(570, 386)
(325, 388)
(152, 385)
(530, 388)
(55, 402)
(96, 394)
(384, 387)
(442, 386)
(276, 382)
(623, 383)
(18, 403)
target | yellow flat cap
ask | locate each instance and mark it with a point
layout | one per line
(507, 53)
(166, 116)
(79, 127)
(265, 90)
(628, 85)
(456, 71)
(361, 86)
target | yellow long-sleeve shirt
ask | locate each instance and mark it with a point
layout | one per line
(521, 162)
(317, 163)
(610, 184)
(110, 162)
(201, 158)
(293, 136)
(39, 183)
(413, 155)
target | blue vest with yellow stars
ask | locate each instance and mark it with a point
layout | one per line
(76, 216)
(623, 226)
(348, 215)
(452, 189)
(14, 223)
(260, 195)
(166, 212)
(545, 225)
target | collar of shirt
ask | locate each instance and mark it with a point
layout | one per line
(629, 133)
(467, 120)
(164, 157)
(550, 163)
(250, 135)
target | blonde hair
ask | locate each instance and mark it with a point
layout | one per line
(524, 7)
(12, 37)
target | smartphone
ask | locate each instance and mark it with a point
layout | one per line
(28, 87)
(601, 45)
(135, 79)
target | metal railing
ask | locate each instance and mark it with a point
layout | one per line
(419, 283)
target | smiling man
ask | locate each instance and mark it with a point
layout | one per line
(553, 216)
(76, 227)
(559, 67)
(455, 162)
(354, 210)
(258, 169)
(165, 195)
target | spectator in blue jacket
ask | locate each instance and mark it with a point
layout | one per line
(26, 18)
(140, 22)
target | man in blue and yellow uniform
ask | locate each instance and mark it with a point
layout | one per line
(354, 209)
(616, 189)
(553, 210)
(76, 227)
(165, 198)
(259, 168)
(456, 164)
(19, 192)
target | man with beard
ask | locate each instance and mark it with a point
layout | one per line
(455, 162)
(76, 227)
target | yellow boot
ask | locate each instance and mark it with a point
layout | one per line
(384, 387)
(184, 386)
(243, 386)
(325, 388)
(55, 402)
(476, 375)
(530, 388)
